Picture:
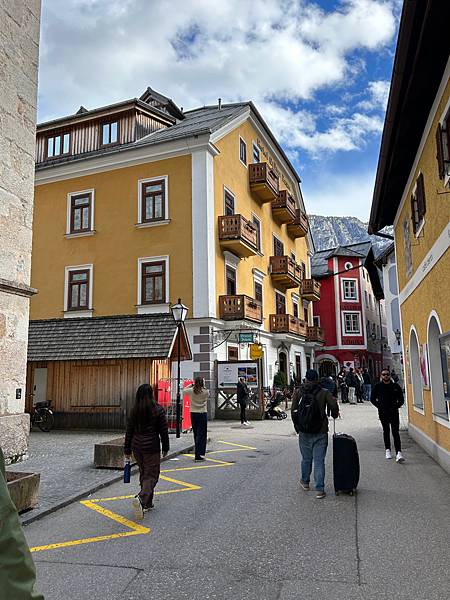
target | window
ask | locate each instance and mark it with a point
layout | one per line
(316, 321)
(418, 205)
(298, 367)
(348, 266)
(278, 247)
(443, 147)
(351, 323)
(58, 145)
(280, 304)
(295, 308)
(109, 133)
(258, 292)
(349, 289)
(153, 282)
(230, 275)
(305, 314)
(257, 223)
(242, 151)
(78, 289)
(233, 353)
(256, 154)
(80, 215)
(293, 256)
(228, 200)
(444, 351)
(303, 269)
(153, 200)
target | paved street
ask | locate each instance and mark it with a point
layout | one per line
(242, 528)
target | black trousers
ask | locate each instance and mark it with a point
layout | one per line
(199, 427)
(149, 469)
(243, 416)
(391, 422)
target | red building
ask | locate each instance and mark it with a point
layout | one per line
(350, 310)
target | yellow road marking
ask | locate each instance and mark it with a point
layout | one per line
(91, 540)
(238, 445)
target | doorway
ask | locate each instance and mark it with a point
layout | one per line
(282, 364)
(39, 385)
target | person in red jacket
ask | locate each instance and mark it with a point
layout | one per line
(146, 432)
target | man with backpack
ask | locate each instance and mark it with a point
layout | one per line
(308, 411)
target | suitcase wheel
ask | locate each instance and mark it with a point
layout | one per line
(337, 493)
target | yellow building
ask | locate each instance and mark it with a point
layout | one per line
(138, 204)
(412, 192)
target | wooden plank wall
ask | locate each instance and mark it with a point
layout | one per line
(97, 393)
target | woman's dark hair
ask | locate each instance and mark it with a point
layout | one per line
(198, 385)
(144, 408)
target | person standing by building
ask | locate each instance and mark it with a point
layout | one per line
(367, 385)
(352, 382)
(359, 390)
(387, 396)
(147, 431)
(243, 394)
(199, 395)
(308, 412)
(343, 385)
(17, 572)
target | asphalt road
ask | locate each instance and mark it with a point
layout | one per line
(245, 530)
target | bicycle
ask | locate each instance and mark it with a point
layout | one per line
(42, 416)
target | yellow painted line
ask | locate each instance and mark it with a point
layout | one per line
(114, 516)
(225, 451)
(91, 540)
(238, 445)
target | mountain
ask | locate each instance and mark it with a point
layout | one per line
(329, 232)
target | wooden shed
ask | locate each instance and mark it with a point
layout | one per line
(90, 368)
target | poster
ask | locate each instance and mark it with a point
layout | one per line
(424, 371)
(229, 373)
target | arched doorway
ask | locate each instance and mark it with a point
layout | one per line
(327, 367)
(415, 370)
(283, 365)
(440, 406)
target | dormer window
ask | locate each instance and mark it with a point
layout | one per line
(58, 145)
(110, 133)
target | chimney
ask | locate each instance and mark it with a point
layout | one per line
(219, 101)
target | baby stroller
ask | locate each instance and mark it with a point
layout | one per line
(273, 409)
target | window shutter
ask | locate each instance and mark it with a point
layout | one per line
(413, 214)
(440, 152)
(421, 205)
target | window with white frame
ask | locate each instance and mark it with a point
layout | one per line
(153, 280)
(78, 288)
(242, 151)
(80, 212)
(256, 154)
(349, 290)
(228, 202)
(153, 200)
(352, 325)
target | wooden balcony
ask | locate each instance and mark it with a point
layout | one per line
(285, 323)
(285, 271)
(316, 334)
(298, 228)
(283, 208)
(236, 308)
(310, 290)
(238, 235)
(264, 182)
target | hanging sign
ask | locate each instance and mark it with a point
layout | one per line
(256, 351)
(247, 338)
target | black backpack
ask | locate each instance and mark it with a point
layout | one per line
(309, 415)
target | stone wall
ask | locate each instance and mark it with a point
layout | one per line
(19, 52)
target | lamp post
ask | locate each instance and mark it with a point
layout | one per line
(179, 312)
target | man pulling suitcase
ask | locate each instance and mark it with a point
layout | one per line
(310, 420)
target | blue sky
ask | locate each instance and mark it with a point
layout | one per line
(318, 71)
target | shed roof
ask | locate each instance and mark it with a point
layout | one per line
(124, 336)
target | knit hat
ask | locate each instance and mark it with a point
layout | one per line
(312, 375)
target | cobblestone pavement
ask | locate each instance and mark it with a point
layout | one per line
(65, 460)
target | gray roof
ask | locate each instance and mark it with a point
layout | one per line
(319, 262)
(196, 122)
(125, 336)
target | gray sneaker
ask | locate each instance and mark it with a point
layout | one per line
(320, 494)
(137, 507)
(304, 485)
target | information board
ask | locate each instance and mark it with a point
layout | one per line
(229, 373)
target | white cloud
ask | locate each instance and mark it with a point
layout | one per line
(378, 96)
(340, 195)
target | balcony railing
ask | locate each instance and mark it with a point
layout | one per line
(299, 226)
(285, 271)
(283, 208)
(235, 308)
(238, 235)
(263, 181)
(316, 334)
(310, 290)
(285, 323)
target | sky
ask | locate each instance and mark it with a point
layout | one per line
(318, 71)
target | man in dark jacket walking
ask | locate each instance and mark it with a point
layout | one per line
(387, 396)
(351, 382)
(243, 394)
(367, 386)
(313, 446)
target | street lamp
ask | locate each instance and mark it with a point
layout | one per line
(179, 312)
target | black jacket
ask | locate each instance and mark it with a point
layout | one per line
(367, 378)
(324, 398)
(387, 397)
(242, 392)
(351, 380)
(148, 439)
(330, 385)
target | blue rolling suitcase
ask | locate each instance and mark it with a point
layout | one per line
(345, 463)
